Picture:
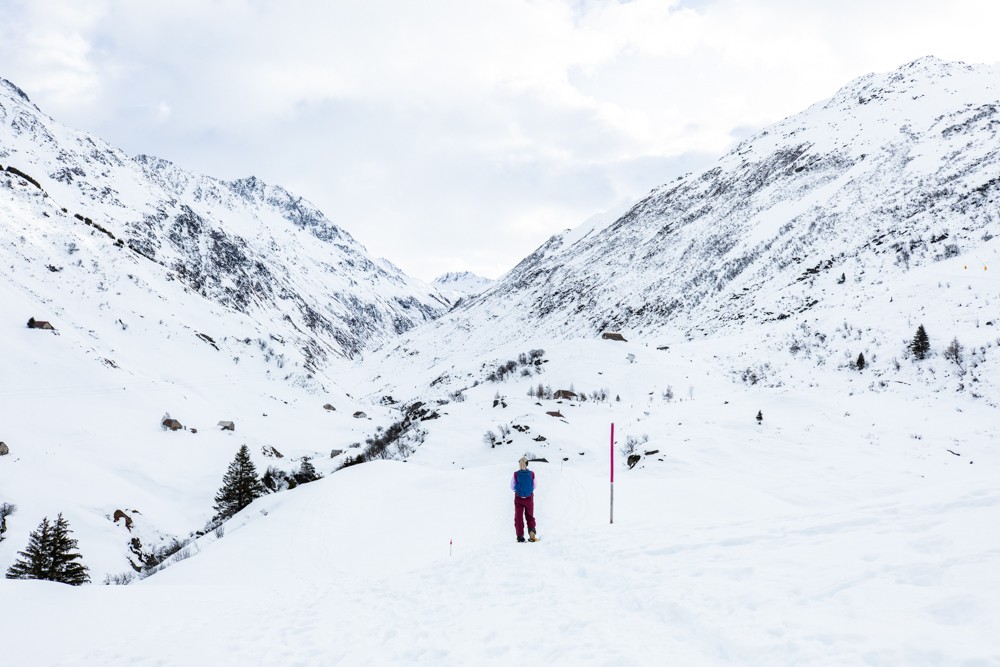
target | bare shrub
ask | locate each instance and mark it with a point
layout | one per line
(6, 509)
(954, 352)
(632, 443)
(121, 579)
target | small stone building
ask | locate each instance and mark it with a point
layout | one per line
(39, 324)
(227, 426)
(613, 336)
(565, 393)
(329, 408)
(4, 449)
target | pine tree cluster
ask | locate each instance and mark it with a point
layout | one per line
(51, 555)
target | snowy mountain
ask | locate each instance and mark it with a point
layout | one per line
(776, 500)
(168, 293)
(857, 214)
(461, 284)
(251, 248)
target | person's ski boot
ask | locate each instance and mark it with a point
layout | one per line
(532, 537)
(520, 538)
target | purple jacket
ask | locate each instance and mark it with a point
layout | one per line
(513, 481)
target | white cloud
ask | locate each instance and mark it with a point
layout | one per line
(449, 131)
(161, 112)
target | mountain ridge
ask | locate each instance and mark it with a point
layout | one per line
(788, 165)
(221, 239)
(850, 208)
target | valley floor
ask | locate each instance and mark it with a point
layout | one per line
(861, 554)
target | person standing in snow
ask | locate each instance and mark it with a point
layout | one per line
(523, 486)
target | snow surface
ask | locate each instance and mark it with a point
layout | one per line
(840, 531)
(856, 525)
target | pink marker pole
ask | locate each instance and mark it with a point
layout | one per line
(612, 472)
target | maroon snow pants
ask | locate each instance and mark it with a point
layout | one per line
(524, 508)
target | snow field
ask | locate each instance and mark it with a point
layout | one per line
(855, 525)
(815, 538)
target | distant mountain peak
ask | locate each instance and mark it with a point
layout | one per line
(458, 284)
(15, 89)
(934, 63)
(458, 277)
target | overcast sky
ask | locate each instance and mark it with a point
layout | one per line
(451, 135)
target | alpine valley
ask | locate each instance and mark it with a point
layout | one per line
(794, 480)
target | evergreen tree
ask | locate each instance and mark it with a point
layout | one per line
(240, 486)
(307, 472)
(861, 362)
(65, 568)
(760, 416)
(35, 561)
(921, 344)
(50, 555)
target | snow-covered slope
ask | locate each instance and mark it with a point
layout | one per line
(457, 285)
(893, 172)
(840, 531)
(168, 293)
(836, 231)
(847, 524)
(255, 249)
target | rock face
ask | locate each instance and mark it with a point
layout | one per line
(894, 172)
(251, 248)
